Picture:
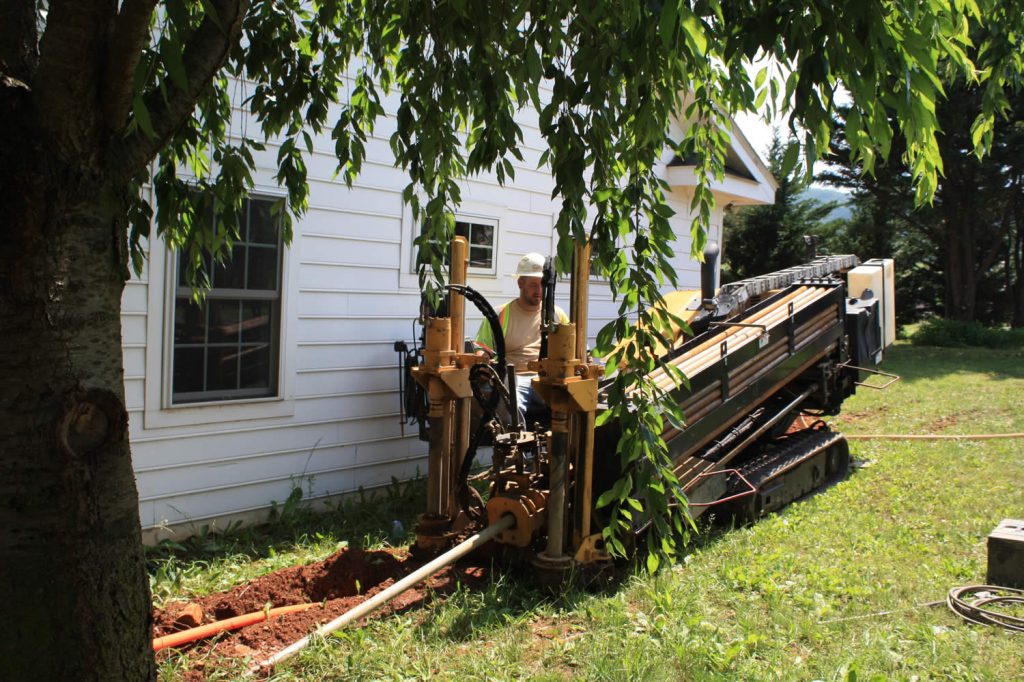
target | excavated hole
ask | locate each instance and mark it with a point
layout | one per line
(337, 584)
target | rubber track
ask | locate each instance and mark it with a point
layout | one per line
(795, 448)
(788, 460)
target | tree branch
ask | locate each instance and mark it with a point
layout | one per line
(70, 63)
(204, 55)
(18, 38)
(130, 35)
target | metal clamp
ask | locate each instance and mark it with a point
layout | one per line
(762, 338)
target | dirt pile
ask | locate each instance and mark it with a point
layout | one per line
(337, 584)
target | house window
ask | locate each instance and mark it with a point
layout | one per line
(481, 234)
(227, 347)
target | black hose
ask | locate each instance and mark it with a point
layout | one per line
(465, 493)
(477, 299)
(547, 314)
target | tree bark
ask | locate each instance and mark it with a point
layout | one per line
(961, 279)
(73, 583)
(1017, 259)
(72, 575)
(960, 216)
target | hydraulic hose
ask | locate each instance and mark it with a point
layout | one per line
(974, 611)
(481, 303)
(464, 492)
(547, 308)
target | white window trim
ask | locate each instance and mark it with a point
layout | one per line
(159, 410)
(469, 211)
(494, 223)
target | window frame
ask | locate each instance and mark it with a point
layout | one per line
(160, 276)
(471, 219)
(272, 297)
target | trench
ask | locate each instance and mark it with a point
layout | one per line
(336, 584)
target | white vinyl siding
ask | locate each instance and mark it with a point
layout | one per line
(348, 293)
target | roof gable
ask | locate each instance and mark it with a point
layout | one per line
(746, 181)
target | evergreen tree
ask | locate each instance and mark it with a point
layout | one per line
(959, 256)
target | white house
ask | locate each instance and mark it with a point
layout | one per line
(289, 375)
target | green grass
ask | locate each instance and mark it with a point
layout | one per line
(795, 596)
(213, 562)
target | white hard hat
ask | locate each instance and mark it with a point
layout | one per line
(530, 265)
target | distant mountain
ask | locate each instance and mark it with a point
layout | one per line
(825, 195)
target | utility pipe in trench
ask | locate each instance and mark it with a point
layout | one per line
(234, 623)
(382, 598)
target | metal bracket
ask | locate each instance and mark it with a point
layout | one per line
(762, 327)
(751, 489)
(893, 378)
(791, 328)
(762, 338)
(724, 350)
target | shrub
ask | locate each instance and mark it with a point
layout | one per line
(952, 333)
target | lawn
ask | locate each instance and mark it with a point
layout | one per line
(831, 588)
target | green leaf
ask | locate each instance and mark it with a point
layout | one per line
(211, 13)
(790, 158)
(695, 33)
(177, 12)
(142, 116)
(762, 75)
(171, 54)
(668, 22)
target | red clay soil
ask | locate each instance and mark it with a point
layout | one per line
(338, 583)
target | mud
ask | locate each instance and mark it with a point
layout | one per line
(337, 584)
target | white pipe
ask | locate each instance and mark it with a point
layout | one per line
(382, 598)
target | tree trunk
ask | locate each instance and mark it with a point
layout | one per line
(959, 215)
(73, 583)
(961, 280)
(1017, 258)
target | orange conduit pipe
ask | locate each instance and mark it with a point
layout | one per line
(203, 631)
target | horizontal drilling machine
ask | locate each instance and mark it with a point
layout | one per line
(760, 355)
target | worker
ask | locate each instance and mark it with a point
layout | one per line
(520, 322)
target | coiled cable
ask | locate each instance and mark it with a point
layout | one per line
(974, 611)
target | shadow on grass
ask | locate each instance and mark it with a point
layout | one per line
(916, 363)
(713, 528)
(367, 521)
(509, 596)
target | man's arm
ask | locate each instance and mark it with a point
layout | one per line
(484, 341)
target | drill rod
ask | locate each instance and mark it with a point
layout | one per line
(409, 581)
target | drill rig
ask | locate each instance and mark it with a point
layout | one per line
(760, 355)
